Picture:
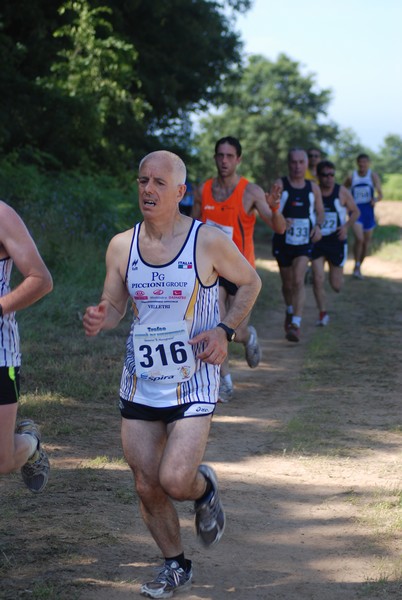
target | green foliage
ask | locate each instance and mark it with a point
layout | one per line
(387, 162)
(346, 148)
(70, 212)
(97, 85)
(98, 68)
(272, 107)
(92, 63)
(392, 186)
(390, 155)
(185, 50)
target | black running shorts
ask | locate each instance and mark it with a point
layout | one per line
(169, 414)
(9, 385)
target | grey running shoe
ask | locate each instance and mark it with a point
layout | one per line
(170, 578)
(209, 513)
(225, 391)
(35, 472)
(293, 333)
(253, 350)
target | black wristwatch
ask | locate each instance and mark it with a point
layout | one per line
(1, 311)
(230, 333)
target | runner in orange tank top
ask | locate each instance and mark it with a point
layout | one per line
(231, 203)
(231, 217)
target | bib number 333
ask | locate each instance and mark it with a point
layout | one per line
(163, 353)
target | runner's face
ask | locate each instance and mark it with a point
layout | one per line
(297, 164)
(314, 157)
(226, 160)
(363, 165)
(327, 180)
(158, 189)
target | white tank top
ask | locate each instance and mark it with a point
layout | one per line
(10, 355)
(163, 294)
(362, 187)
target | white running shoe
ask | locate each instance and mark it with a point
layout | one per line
(323, 322)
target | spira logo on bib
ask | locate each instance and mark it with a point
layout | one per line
(151, 377)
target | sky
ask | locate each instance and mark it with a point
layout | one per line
(353, 47)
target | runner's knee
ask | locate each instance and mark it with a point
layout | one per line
(177, 484)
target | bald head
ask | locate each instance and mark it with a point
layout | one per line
(170, 161)
(296, 151)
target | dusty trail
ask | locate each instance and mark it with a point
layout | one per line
(294, 518)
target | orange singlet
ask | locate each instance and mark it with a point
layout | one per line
(230, 217)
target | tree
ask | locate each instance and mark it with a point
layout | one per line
(272, 108)
(390, 154)
(345, 150)
(26, 50)
(97, 84)
(98, 69)
(185, 49)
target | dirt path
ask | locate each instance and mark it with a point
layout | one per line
(293, 518)
(296, 526)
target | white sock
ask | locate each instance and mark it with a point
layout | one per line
(289, 310)
(33, 444)
(296, 321)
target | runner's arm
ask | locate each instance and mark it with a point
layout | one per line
(217, 254)
(267, 205)
(19, 245)
(377, 186)
(197, 205)
(347, 200)
(348, 182)
(232, 265)
(113, 304)
(316, 234)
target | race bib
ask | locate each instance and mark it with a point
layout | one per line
(330, 223)
(227, 230)
(298, 233)
(362, 194)
(162, 352)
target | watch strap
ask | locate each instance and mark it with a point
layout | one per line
(230, 333)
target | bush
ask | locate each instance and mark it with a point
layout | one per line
(392, 186)
(68, 212)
